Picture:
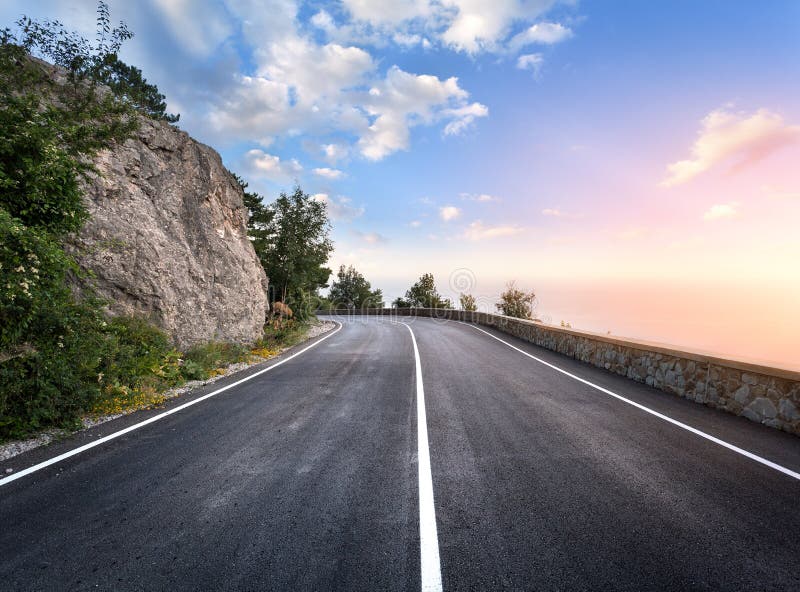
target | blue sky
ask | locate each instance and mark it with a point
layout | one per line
(536, 140)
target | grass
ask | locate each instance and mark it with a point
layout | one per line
(201, 362)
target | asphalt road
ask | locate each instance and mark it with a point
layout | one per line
(306, 477)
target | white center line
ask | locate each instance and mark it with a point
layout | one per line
(674, 422)
(155, 418)
(430, 569)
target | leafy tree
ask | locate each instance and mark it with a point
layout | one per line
(400, 303)
(516, 303)
(99, 63)
(423, 294)
(350, 289)
(467, 302)
(259, 217)
(295, 248)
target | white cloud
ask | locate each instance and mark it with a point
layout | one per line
(415, 224)
(340, 209)
(732, 136)
(480, 197)
(448, 213)
(380, 12)
(406, 39)
(541, 33)
(328, 173)
(720, 211)
(532, 62)
(482, 25)
(403, 100)
(555, 212)
(478, 231)
(268, 166)
(464, 117)
(335, 152)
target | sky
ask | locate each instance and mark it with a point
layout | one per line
(634, 163)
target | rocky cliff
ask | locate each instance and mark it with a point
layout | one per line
(167, 239)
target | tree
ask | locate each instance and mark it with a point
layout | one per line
(259, 217)
(352, 290)
(467, 302)
(516, 303)
(295, 248)
(399, 302)
(423, 294)
(99, 63)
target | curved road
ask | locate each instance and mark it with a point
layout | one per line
(306, 477)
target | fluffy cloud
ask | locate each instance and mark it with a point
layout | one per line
(328, 173)
(470, 26)
(720, 211)
(268, 166)
(532, 62)
(540, 33)
(339, 208)
(554, 212)
(380, 12)
(448, 213)
(403, 100)
(478, 231)
(727, 136)
(483, 25)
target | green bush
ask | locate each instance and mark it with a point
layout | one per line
(211, 356)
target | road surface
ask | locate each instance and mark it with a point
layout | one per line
(313, 476)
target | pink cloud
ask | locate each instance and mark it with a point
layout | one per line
(732, 136)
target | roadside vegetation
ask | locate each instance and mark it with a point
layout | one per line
(516, 303)
(61, 356)
(351, 290)
(467, 302)
(423, 294)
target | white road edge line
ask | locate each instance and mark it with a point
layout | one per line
(430, 568)
(136, 426)
(674, 422)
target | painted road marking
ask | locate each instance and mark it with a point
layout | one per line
(674, 422)
(430, 568)
(66, 455)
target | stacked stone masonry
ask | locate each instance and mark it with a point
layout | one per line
(760, 393)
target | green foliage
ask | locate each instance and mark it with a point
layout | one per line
(400, 302)
(60, 357)
(516, 303)
(259, 217)
(47, 131)
(294, 250)
(32, 271)
(211, 356)
(467, 302)
(283, 335)
(98, 63)
(350, 289)
(423, 294)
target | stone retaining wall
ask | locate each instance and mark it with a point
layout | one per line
(760, 393)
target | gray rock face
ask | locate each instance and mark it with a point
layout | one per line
(167, 239)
